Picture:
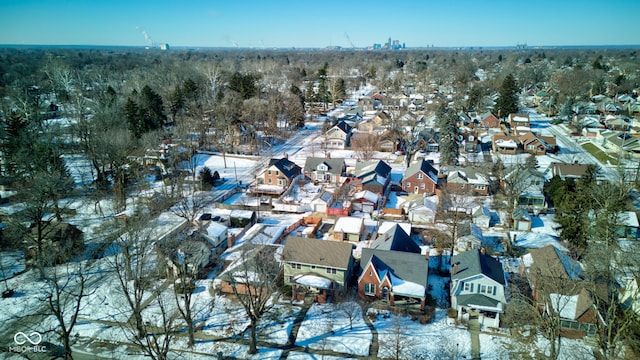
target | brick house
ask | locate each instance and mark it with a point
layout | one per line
(392, 276)
(280, 172)
(488, 120)
(420, 178)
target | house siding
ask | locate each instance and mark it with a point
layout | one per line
(412, 181)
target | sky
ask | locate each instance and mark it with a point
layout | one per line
(317, 24)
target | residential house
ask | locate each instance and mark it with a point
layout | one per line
(532, 144)
(317, 266)
(420, 178)
(348, 228)
(519, 122)
(239, 277)
(374, 176)
(558, 285)
(467, 180)
(568, 171)
(529, 183)
(488, 120)
(280, 173)
(397, 239)
(630, 294)
(338, 136)
(393, 277)
(329, 170)
(191, 255)
(504, 144)
(478, 282)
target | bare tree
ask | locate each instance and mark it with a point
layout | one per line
(254, 284)
(347, 302)
(453, 211)
(134, 265)
(64, 290)
(396, 342)
(365, 146)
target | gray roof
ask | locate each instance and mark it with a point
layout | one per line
(336, 166)
(410, 267)
(395, 239)
(425, 167)
(476, 299)
(473, 262)
(329, 253)
(373, 167)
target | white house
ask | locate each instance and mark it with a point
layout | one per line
(477, 282)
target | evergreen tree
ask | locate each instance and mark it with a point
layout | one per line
(449, 148)
(507, 102)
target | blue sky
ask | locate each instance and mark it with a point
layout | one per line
(320, 23)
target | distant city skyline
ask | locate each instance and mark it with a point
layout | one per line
(289, 24)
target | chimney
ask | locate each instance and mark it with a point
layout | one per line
(286, 156)
(483, 251)
(455, 269)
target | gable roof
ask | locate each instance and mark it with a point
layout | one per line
(473, 262)
(568, 170)
(395, 238)
(548, 261)
(377, 167)
(412, 268)
(342, 125)
(349, 224)
(329, 253)
(286, 167)
(423, 166)
(334, 165)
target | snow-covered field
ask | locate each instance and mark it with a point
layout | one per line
(326, 327)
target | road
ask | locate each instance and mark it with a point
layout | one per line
(569, 147)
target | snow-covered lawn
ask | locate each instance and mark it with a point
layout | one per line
(326, 327)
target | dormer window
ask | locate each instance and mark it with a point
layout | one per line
(322, 167)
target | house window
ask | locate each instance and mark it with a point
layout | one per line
(468, 287)
(483, 289)
(370, 289)
(296, 266)
(422, 186)
(282, 182)
(419, 176)
(408, 186)
(269, 180)
(531, 147)
(277, 172)
(269, 172)
(480, 187)
(331, 271)
(313, 267)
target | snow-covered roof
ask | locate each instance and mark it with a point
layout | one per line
(313, 281)
(348, 224)
(367, 195)
(215, 229)
(406, 288)
(507, 143)
(387, 225)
